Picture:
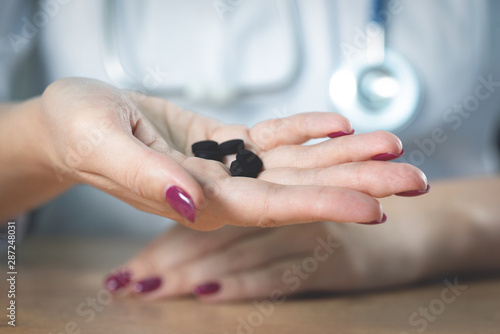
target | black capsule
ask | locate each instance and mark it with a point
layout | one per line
(231, 146)
(248, 157)
(210, 155)
(236, 169)
(205, 145)
(240, 169)
(247, 164)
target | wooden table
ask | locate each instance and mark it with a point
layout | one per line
(57, 276)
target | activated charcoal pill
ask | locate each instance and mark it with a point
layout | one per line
(240, 169)
(205, 145)
(248, 157)
(231, 146)
(210, 155)
(236, 169)
(247, 164)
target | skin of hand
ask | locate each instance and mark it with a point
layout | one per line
(452, 230)
(85, 131)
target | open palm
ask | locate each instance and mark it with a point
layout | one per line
(335, 180)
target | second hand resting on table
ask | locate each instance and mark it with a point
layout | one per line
(453, 230)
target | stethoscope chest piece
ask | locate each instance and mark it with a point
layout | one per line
(383, 96)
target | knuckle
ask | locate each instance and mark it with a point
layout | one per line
(58, 85)
(266, 219)
(363, 176)
(276, 273)
(302, 156)
(302, 122)
(214, 169)
(320, 205)
(134, 180)
(241, 286)
(144, 263)
(203, 244)
(237, 258)
(309, 176)
(243, 256)
(190, 274)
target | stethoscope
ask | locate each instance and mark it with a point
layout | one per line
(377, 88)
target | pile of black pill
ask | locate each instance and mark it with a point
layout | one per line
(246, 164)
(207, 149)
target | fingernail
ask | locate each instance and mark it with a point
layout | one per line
(376, 222)
(206, 289)
(181, 202)
(388, 156)
(340, 134)
(413, 193)
(117, 281)
(147, 285)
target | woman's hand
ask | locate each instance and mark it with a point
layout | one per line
(235, 263)
(102, 136)
(453, 230)
(95, 134)
(336, 180)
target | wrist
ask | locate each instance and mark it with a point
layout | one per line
(27, 178)
(30, 145)
(33, 156)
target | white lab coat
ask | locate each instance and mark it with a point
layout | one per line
(453, 44)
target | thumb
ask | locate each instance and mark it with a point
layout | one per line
(151, 175)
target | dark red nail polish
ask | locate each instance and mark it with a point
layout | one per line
(206, 289)
(376, 222)
(147, 285)
(117, 281)
(181, 202)
(413, 193)
(340, 134)
(388, 156)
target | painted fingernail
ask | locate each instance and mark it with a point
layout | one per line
(206, 289)
(181, 202)
(117, 281)
(376, 222)
(388, 156)
(413, 193)
(147, 285)
(340, 134)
